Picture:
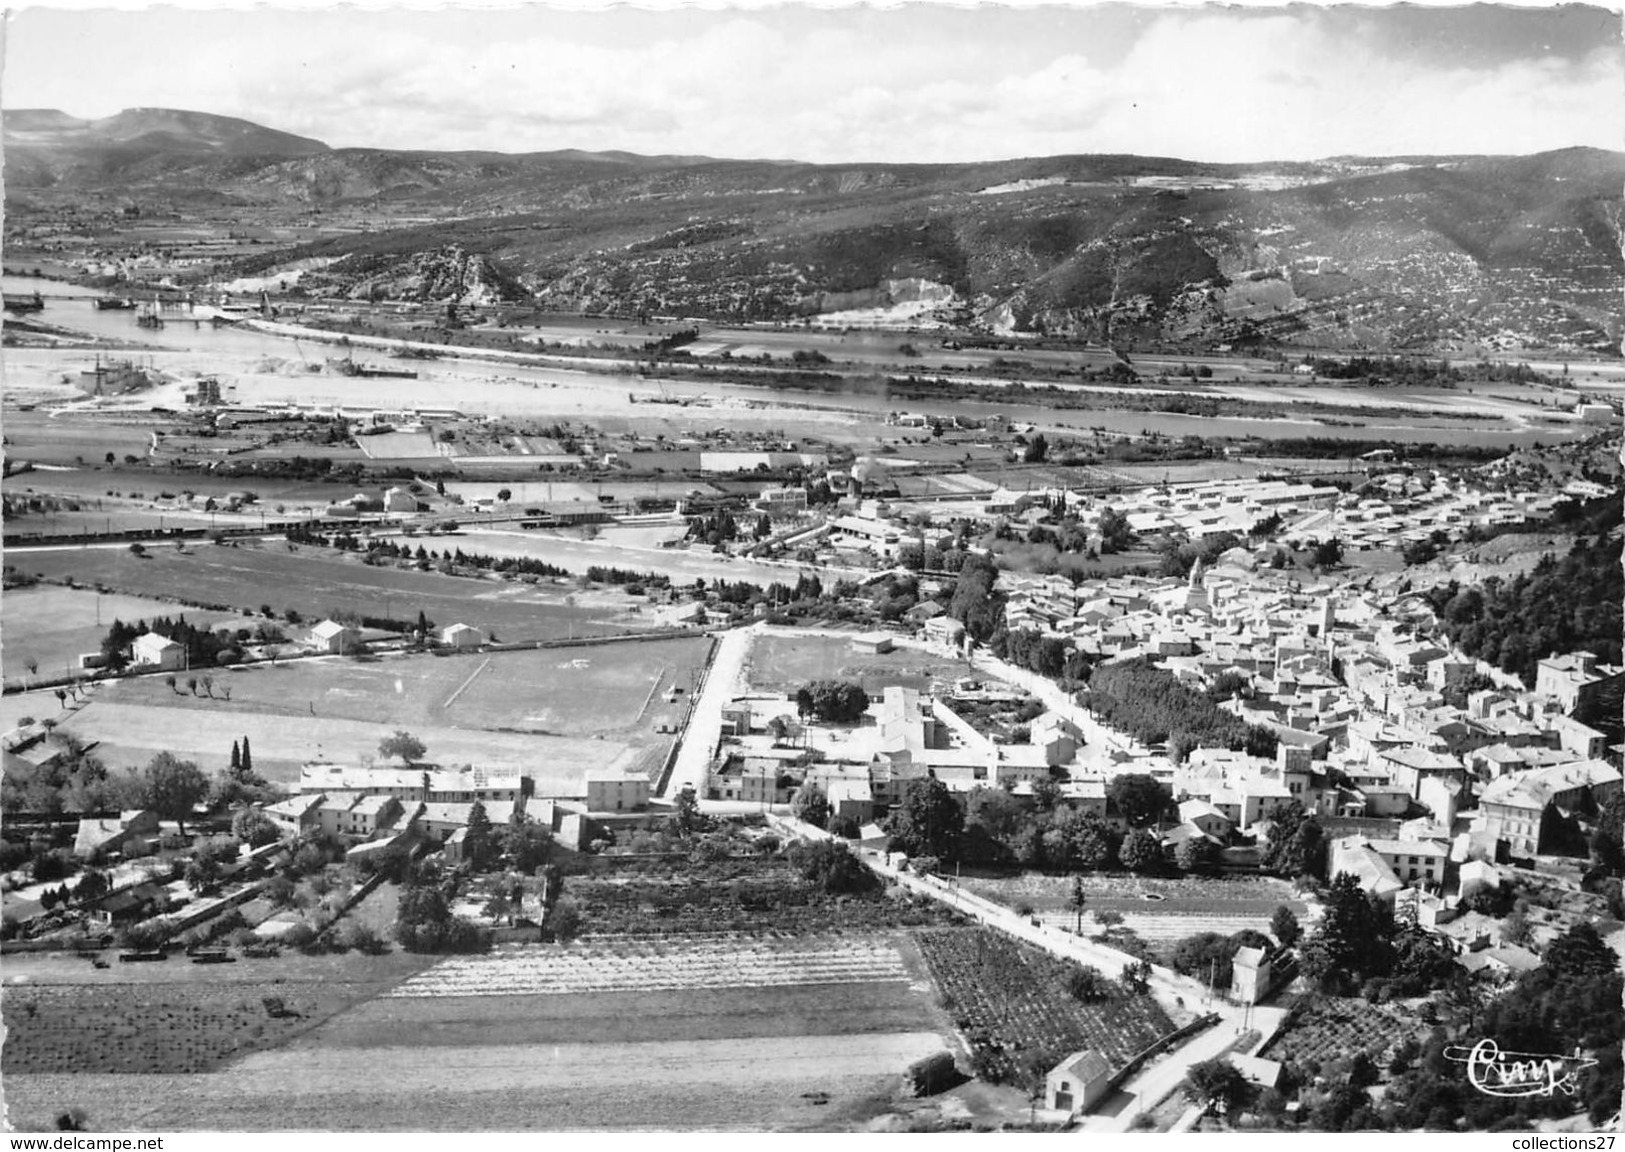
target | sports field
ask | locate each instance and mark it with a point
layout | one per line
(554, 712)
(781, 661)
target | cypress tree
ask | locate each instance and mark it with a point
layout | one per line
(236, 759)
(248, 758)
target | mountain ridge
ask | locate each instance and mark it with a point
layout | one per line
(1381, 253)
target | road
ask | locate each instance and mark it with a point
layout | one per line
(699, 739)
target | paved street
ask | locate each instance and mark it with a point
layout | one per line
(699, 741)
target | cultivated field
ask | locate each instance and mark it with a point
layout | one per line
(780, 662)
(314, 584)
(803, 1051)
(53, 625)
(1323, 1030)
(750, 1084)
(1012, 1004)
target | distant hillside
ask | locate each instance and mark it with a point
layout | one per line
(1458, 254)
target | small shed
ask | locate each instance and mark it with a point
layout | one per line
(1077, 1083)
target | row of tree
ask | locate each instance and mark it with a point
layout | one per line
(1156, 707)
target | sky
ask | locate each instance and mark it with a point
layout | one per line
(914, 83)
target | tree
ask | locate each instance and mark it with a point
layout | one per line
(688, 818)
(928, 822)
(1140, 851)
(1139, 797)
(830, 866)
(1077, 900)
(236, 758)
(254, 828)
(1297, 844)
(1284, 926)
(1046, 793)
(1351, 943)
(248, 761)
(1580, 952)
(564, 921)
(833, 701)
(203, 872)
(478, 841)
(1197, 855)
(1037, 450)
(174, 787)
(1327, 554)
(403, 744)
(811, 805)
(504, 494)
(1219, 1085)
(1137, 977)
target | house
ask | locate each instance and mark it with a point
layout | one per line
(1207, 818)
(1414, 861)
(872, 643)
(1517, 808)
(944, 631)
(1077, 1083)
(332, 814)
(1250, 975)
(1352, 854)
(369, 814)
(461, 636)
(129, 829)
(400, 500)
(333, 637)
(296, 815)
(151, 650)
(612, 791)
(1574, 679)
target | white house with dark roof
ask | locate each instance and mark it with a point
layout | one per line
(1078, 1083)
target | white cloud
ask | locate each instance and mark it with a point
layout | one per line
(1206, 84)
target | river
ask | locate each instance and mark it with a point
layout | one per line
(264, 368)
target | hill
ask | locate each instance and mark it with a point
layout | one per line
(1457, 255)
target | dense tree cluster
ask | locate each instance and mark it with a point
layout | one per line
(1046, 655)
(1152, 704)
(832, 701)
(1563, 605)
(1573, 1000)
(977, 602)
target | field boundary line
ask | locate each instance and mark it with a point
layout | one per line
(463, 687)
(653, 688)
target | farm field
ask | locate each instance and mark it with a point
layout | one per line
(802, 1054)
(785, 661)
(315, 584)
(579, 692)
(1323, 1029)
(749, 1084)
(1012, 1004)
(736, 897)
(54, 625)
(62, 1015)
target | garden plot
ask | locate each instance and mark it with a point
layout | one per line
(1013, 1005)
(674, 966)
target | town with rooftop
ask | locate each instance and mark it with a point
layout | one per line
(594, 641)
